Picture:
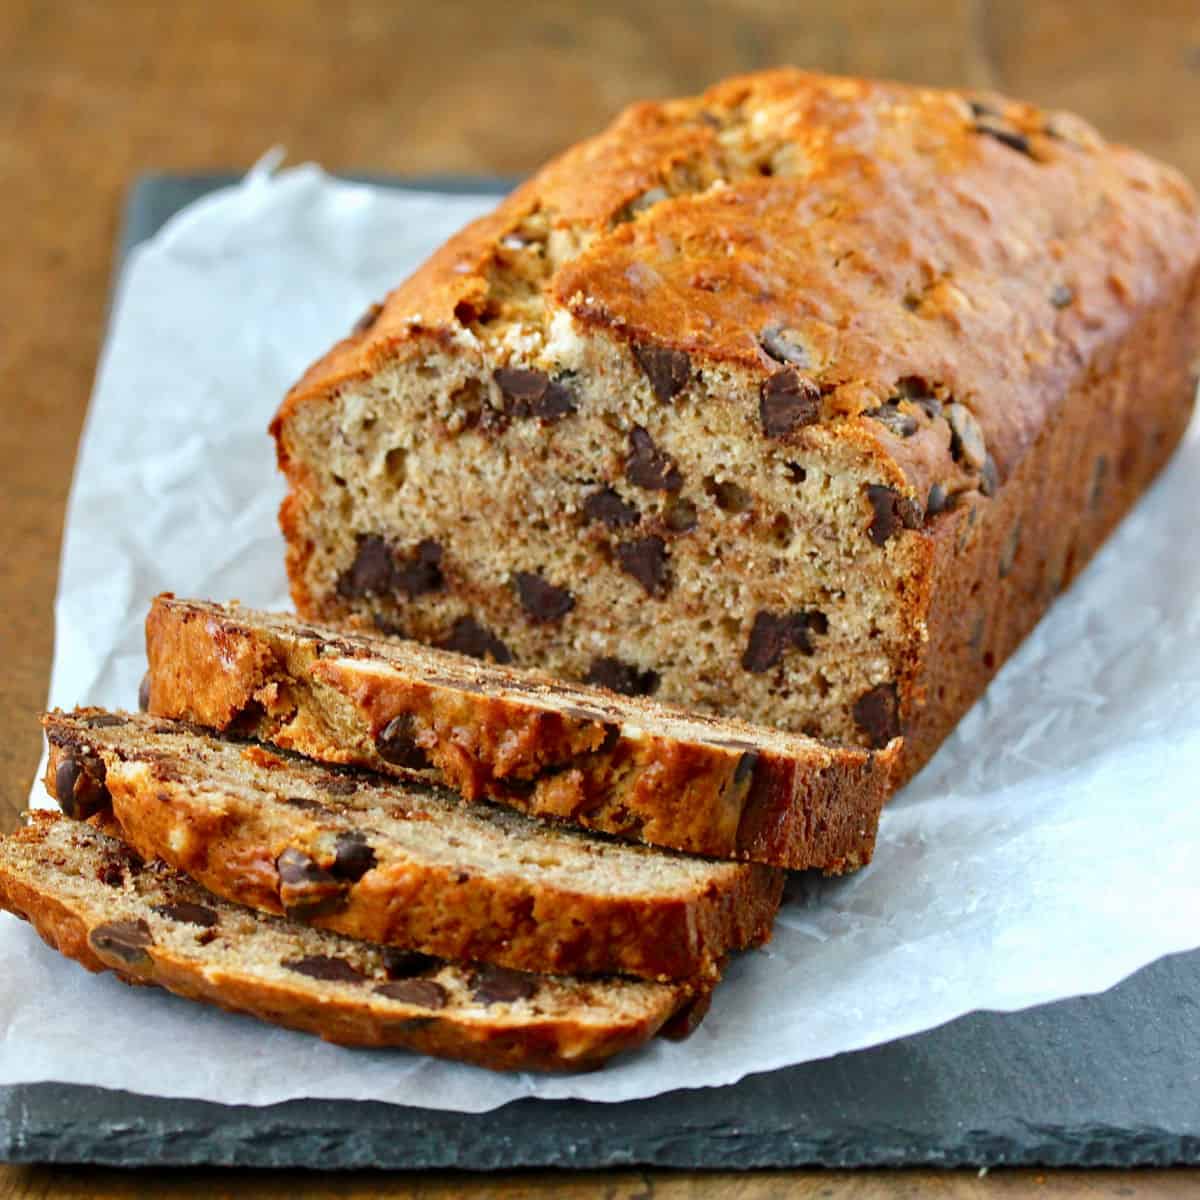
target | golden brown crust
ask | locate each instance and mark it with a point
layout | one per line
(999, 262)
(542, 1042)
(609, 763)
(232, 843)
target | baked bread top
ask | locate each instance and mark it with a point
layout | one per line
(917, 274)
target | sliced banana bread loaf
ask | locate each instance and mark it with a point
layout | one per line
(623, 765)
(93, 899)
(403, 862)
(798, 400)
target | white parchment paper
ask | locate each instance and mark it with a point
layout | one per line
(1050, 849)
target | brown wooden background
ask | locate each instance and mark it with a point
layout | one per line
(91, 92)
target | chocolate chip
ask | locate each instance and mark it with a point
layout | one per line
(621, 677)
(397, 744)
(533, 394)
(188, 913)
(745, 767)
(1061, 296)
(988, 478)
(305, 803)
(352, 856)
(111, 874)
(467, 636)
(786, 402)
(370, 574)
(938, 501)
(891, 512)
(774, 633)
(422, 993)
(297, 869)
(646, 560)
(1008, 554)
(1008, 137)
(680, 515)
(966, 438)
(422, 573)
(144, 693)
(364, 323)
(79, 783)
(401, 964)
(796, 473)
(648, 467)
(499, 985)
(902, 424)
(784, 347)
(542, 600)
(325, 966)
(669, 371)
(877, 714)
(126, 940)
(606, 505)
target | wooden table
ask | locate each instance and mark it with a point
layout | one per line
(91, 93)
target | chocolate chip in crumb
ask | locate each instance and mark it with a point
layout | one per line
(399, 963)
(937, 502)
(327, 967)
(542, 600)
(891, 512)
(680, 515)
(144, 693)
(646, 560)
(621, 677)
(352, 856)
(648, 467)
(669, 371)
(499, 985)
(877, 714)
(111, 874)
(421, 993)
(988, 478)
(468, 637)
(902, 424)
(788, 401)
(531, 393)
(1061, 296)
(606, 505)
(422, 573)
(126, 940)
(370, 574)
(188, 913)
(966, 437)
(396, 743)
(297, 869)
(79, 784)
(784, 346)
(367, 320)
(772, 634)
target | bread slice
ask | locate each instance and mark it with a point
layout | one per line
(93, 899)
(404, 862)
(800, 399)
(623, 765)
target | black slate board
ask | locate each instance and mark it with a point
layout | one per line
(1110, 1080)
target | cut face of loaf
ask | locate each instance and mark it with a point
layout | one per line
(91, 898)
(404, 863)
(622, 765)
(799, 400)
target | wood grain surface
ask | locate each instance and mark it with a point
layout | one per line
(92, 93)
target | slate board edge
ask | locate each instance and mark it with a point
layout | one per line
(59, 1123)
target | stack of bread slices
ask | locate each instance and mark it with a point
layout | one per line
(391, 845)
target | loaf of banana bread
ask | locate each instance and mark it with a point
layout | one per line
(799, 400)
